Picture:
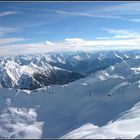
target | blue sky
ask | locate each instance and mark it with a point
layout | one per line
(36, 27)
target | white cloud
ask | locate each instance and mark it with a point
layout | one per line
(16, 49)
(109, 42)
(102, 38)
(49, 43)
(117, 31)
(119, 39)
(76, 44)
(87, 14)
(121, 33)
(7, 13)
(70, 44)
(4, 41)
(6, 30)
(120, 11)
(135, 20)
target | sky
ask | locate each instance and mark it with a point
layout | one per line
(39, 27)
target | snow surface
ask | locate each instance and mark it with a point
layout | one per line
(126, 126)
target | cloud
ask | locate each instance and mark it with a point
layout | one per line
(119, 11)
(7, 30)
(121, 33)
(49, 43)
(77, 44)
(93, 43)
(135, 20)
(6, 13)
(70, 44)
(86, 14)
(4, 41)
(105, 37)
(118, 39)
(17, 49)
(117, 31)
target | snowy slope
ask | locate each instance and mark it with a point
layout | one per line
(125, 126)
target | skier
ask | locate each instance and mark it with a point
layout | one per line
(91, 93)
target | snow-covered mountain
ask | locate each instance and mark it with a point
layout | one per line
(104, 104)
(35, 71)
(32, 73)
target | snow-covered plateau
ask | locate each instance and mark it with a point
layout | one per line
(84, 95)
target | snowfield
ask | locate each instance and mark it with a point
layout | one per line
(126, 126)
(105, 104)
